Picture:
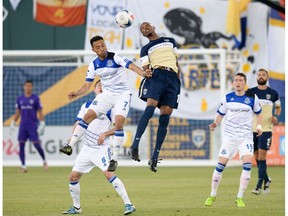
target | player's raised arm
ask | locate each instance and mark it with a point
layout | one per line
(82, 90)
(144, 73)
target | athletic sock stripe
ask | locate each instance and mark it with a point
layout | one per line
(119, 133)
(74, 182)
(112, 179)
(247, 166)
(220, 167)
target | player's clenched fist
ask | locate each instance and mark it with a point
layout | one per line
(213, 126)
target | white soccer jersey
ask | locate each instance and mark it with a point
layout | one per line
(239, 114)
(97, 127)
(111, 71)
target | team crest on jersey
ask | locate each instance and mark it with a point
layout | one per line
(268, 96)
(95, 102)
(247, 100)
(31, 101)
(198, 137)
(145, 91)
(109, 63)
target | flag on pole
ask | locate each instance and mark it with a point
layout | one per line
(61, 12)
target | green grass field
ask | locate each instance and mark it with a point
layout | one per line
(171, 191)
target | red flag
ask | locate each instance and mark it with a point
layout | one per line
(60, 12)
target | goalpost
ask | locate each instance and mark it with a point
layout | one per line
(205, 77)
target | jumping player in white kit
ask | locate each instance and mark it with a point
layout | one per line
(110, 67)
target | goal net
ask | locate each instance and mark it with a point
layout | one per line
(206, 75)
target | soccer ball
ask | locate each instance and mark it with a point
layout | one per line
(124, 18)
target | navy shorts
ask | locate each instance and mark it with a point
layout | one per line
(263, 141)
(28, 132)
(164, 87)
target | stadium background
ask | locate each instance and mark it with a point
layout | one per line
(22, 32)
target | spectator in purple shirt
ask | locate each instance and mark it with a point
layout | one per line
(27, 107)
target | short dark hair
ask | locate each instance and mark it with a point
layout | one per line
(262, 69)
(95, 38)
(28, 81)
(242, 75)
(98, 81)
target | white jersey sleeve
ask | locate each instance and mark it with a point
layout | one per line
(91, 72)
(223, 107)
(122, 60)
(257, 106)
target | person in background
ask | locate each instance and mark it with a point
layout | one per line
(239, 107)
(269, 99)
(31, 127)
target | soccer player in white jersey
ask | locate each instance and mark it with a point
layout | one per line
(95, 153)
(110, 67)
(269, 98)
(239, 107)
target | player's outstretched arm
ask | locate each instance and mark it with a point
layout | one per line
(143, 73)
(105, 135)
(82, 90)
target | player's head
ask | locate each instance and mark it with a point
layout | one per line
(239, 81)
(262, 76)
(98, 46)
(147, 29)
(28, 87)
(98, 87)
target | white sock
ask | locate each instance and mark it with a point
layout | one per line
(117, 143)
(120, 188)
(75, 193)
(77, 134)
(244, 180)
(216, 179)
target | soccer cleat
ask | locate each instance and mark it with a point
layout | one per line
(209, 201)
(134, 153)
(256, 191)
(45, 166)
(153, 164)
(73, 210)
(266, 187)
(129, 209)
(240, 202)
(23, 170)
(112, 166)
(66, 150)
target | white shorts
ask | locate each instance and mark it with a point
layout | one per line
(107, 100)
(229, 148)
(88, 158)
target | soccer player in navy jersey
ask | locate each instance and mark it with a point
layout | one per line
(162, 90)
(110, 67)
(269, 98)
(27, 107)
(238, 107)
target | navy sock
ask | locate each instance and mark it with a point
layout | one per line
(261, 172)
(161, 134)
(143, 122)
(40, 150)
(22, 153)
